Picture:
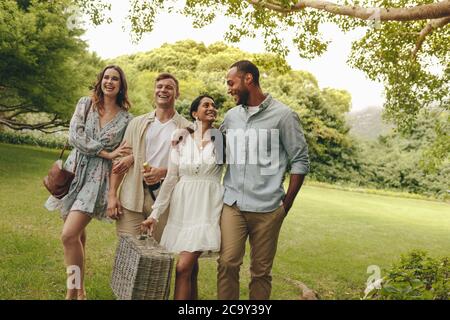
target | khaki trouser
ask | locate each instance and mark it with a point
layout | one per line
(130, 221)
(262, 229)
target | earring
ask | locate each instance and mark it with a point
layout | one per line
(195, 124)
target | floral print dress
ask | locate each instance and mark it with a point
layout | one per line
(88, 192)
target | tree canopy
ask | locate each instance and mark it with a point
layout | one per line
(45, 68)
(40, 71)
(391, 162)
(405, 45)
(201, 69)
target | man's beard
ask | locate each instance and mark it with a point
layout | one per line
(243, 98)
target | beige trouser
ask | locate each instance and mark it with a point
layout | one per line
(262, 229)
(130, 221)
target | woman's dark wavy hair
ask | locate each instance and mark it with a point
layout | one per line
(98, 98)
(219, 144)
(196, 103)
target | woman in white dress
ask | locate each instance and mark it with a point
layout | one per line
(194, 192)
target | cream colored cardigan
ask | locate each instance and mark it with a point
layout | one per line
(131, 190)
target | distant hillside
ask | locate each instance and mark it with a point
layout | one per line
(367, 123)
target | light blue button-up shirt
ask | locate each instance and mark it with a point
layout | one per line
(259, 149)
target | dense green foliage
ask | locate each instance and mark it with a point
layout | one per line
(416, 277)
(389, 163)
(33, 138)
(414, 71)
(41, 78)
(44, 66)
(400, 160)
(203, 68)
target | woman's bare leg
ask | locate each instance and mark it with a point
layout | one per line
(184, 268)
(81, 295)
(73, 228)
(194, 275)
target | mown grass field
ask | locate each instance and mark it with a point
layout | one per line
(328, 240)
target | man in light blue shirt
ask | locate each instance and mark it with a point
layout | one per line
(263, 138)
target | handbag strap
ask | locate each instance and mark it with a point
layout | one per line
(62, 151)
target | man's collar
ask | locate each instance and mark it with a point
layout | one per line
(176, 117)
(267, 101)
(152, 115)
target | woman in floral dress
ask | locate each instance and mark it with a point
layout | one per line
(96, 131)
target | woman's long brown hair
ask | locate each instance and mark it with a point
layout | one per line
(98, 98)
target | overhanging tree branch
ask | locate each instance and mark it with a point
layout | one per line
(421, 12)
(6, 108)
(14, 115)
(59, 124)
(428, 29)
(23, 108)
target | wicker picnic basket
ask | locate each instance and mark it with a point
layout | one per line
(142, 269)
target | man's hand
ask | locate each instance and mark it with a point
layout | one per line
(148, 224)
(114, 210)
(122, 165)
(295, 183)
(154, 175)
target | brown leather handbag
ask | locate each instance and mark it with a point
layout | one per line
(58, 179)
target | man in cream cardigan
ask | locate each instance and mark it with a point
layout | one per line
(149, 135)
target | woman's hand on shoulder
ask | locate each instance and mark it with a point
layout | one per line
(179, 135)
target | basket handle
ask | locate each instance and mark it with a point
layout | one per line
(147, 237)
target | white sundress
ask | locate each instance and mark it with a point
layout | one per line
(194, 192)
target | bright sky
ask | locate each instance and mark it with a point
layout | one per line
(331, 70)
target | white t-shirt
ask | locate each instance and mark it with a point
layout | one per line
(158, 142)
(252, 110)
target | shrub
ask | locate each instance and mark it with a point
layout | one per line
(416, 277)
(55, 141)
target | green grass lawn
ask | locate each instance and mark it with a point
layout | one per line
(328, 240)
